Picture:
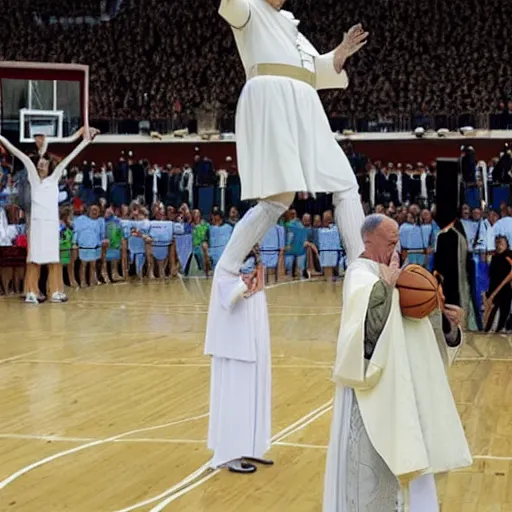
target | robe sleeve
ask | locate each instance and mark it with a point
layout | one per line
(379, 307)
(236, 12)
(326, 75)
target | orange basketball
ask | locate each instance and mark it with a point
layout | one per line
(419, 292)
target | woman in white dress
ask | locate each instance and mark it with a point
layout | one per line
(43, 234)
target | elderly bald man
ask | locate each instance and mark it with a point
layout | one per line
(395, 423)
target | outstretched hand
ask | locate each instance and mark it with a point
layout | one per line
(254, 281)
(353, 41)
(91, 133)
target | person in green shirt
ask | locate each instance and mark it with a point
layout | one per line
(200, 239)
(67, 258)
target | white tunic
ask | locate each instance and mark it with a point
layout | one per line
(284, 140)
(43, 246)
(240, 393)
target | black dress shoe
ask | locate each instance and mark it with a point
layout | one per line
(263, 462)
(242, 467)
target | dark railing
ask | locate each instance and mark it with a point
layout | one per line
(402, 123)
(225, 123)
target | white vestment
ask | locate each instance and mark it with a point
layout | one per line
(284, 140)
(394, 416)
(238, 338)
(44, 233)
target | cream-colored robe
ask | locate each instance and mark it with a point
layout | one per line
(403, 392)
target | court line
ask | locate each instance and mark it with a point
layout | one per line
(490, 457)
(481, 359)
(35, 437)
(158, 440)
(156, 365)
(311, 420)
(190, 482)
(25, 354)
(14, 358)
(14, 476)
(280, 435)
(301, 445)
(64, 439)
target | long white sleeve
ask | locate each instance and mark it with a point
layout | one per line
(235, 12)
(66, 161)
(74, 137)
(326, 75)
(33, 177)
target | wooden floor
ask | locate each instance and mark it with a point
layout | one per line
(104, 402)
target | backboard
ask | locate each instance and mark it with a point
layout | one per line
(43, 98)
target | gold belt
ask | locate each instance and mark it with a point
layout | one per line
(285, 70)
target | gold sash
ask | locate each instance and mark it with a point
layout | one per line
(285, 70)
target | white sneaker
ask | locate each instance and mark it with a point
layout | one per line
(58, 297)
(31, 298)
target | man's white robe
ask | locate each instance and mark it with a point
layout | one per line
(394, 419)
(238, 338)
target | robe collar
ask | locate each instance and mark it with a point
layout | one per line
(290, 17)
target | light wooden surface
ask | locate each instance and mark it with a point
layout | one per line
(104, 401)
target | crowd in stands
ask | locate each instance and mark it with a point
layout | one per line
(162, 59)
(134, 218)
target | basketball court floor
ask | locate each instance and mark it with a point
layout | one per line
(104, 403)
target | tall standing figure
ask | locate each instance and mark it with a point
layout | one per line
(284, 145)
(44, 229)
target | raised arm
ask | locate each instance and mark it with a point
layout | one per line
(236, 12)
(88, 138)
(73, 138)
(329, 67)
(66, 161)
(25, 159)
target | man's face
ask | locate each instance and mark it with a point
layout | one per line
(465, 211)
(384, 240)
(476, 214)
(306, 220)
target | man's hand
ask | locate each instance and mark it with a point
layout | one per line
(389, 274)
(254, 281)
(353, 41)
(91, 133)
(395, 261)
(454, 314)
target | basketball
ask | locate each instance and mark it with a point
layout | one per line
(419, 292)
